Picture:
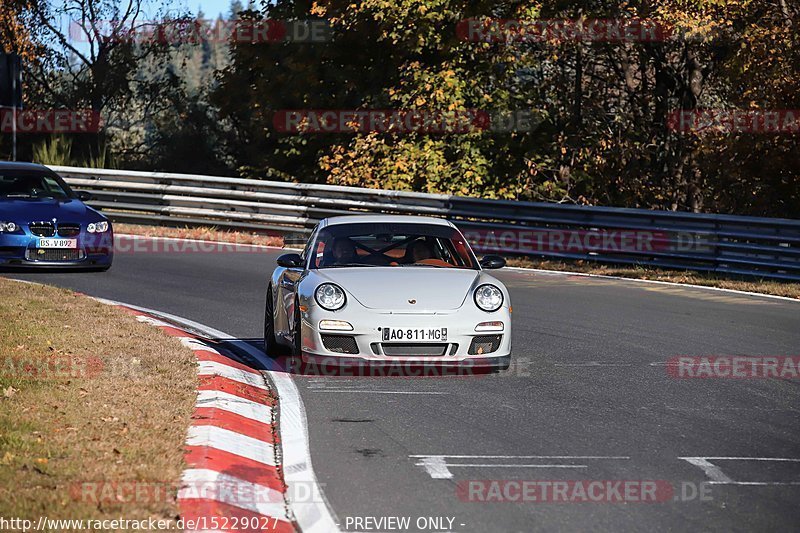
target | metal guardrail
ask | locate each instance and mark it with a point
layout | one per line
(746, 246)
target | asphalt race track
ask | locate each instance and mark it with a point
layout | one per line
(588, 397)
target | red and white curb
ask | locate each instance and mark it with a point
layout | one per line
(233, 481)
(305, 508)
(246, 435)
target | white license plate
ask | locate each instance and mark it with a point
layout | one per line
(415, 334)
(58, 243)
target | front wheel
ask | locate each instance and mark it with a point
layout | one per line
(271, 345)
(297, 344)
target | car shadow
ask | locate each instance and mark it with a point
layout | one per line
(242, 350)
(48, 270)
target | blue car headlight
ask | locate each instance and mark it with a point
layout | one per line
(97, 227)
(8, 227)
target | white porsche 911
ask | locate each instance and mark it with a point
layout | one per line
(388, 289)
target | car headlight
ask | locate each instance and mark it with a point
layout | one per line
(7, 227)
(330, 296)
(97, 227)
(488, 297)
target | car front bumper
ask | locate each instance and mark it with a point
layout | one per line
(21, 251)
(464, 346)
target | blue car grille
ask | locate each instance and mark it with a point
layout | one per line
(42, 229)
(69, 229)
(53, 255)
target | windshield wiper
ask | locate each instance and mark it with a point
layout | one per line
(37, 196)
(422, 265)
(350, 265)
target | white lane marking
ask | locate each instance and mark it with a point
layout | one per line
(714, 408)
(755, 483)
(435, 467)
(711, 470)
(357, 391)
(525, 456)
(753, 360)
(719, 478)
(214, 368)
(438, 468)
(312, 516)
(231, 442)
(655, 282)
(778, 459)
(593, 363)
(506, 465)
(201, 483)
(234, 404)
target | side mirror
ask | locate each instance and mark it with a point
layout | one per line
(290, 261)
(491, 262)
(84, 196)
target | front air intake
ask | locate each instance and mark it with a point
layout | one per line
(340, 344)
(485, 344)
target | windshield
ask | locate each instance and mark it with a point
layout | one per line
(26, 184)
(391, 245)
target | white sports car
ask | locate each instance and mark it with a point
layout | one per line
(388, 289)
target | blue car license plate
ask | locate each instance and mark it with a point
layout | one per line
(58, 243)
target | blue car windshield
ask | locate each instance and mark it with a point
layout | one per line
(26, 184)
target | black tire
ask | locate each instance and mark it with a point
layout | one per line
(271, 345)
(297, 340)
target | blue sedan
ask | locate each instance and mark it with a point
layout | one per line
(43, 223)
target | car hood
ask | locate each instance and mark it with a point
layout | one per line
(23, 210)
(392, 287)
